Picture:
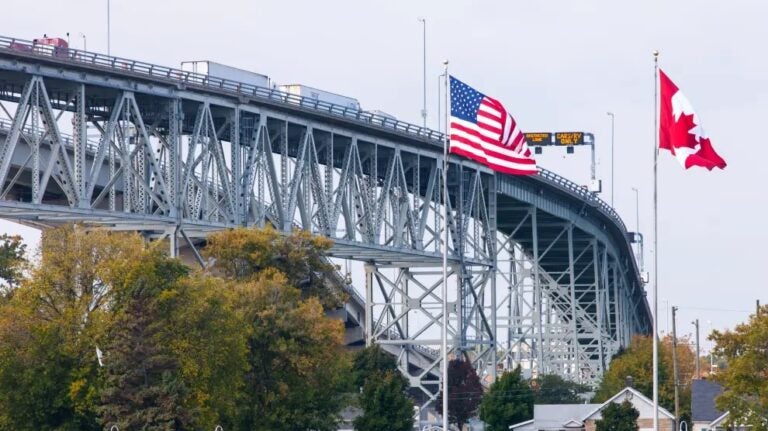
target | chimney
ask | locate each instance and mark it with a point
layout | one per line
(630, 381)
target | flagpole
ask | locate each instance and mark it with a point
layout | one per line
(655, 240)
(444, 331)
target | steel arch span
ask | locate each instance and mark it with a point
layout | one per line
(541, 272)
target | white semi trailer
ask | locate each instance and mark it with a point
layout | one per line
(218, 70)
(321, 95)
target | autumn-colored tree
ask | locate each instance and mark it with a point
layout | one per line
(51, 326)
(242, 253)
(298, 367)
(618, 417)
(745, 379)
(210, 339)
(508, 401)
(637, 361)
(464, 392)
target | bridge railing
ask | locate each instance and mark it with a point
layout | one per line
(124, 65)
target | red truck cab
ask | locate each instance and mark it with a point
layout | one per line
(60, 46)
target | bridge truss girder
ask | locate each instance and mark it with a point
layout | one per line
(169, 161)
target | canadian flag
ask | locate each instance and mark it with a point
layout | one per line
(680, 130)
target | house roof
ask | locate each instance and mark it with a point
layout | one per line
(555, 416)
(623, 393)
(703, 394)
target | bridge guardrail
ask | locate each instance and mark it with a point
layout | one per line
(220, 84)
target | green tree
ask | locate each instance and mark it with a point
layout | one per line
(508, 401)
(464, 392)
(370, 360)
(553, 389)
(745, 379)
(298, 366)
(618, 417)
(142, 387)
(12, 260)
(385, 404)
(242, 253)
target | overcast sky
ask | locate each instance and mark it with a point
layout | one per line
(556, 65)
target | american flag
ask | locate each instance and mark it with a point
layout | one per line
(483, 130)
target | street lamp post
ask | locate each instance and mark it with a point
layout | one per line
(109, 35)
(424, 66)
(610, 114)
(85, 45)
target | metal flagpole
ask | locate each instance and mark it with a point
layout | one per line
(655, 241)
(445, 252)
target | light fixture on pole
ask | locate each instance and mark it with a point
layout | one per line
(424, 62)
(85, 45)
(610, 114)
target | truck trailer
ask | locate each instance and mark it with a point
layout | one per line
(218, 70)
(321, 95)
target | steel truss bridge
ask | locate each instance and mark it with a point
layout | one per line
(541, 271)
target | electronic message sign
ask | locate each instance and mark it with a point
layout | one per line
(538, 139)
(569, 138)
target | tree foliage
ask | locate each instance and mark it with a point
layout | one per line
(370, 360)
(618, 417)
(464, 392)
(50, 327)
(297, 364)
(12, 260)
(143, 388)
(385, 404)
(745, 379)
(553, 389)
(242, 253)
(508, 401)
(250, 349)
(637, 361)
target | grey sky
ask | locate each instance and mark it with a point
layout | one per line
(557, 65)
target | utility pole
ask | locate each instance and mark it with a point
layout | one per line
(757, 304)
(674, 366)
(698, 368)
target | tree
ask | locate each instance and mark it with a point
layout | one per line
(370, 360)
(51, 326)
(241, 253)
(12, 260)
(464, 392)
(508, 401)
(618, 417)
(385, 405)
(637, 361)
(142, 387)
(298, 367)
(210, 339)
(553, 389)
(745, 379)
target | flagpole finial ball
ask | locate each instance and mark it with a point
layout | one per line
(445, 62)
(655, 52)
